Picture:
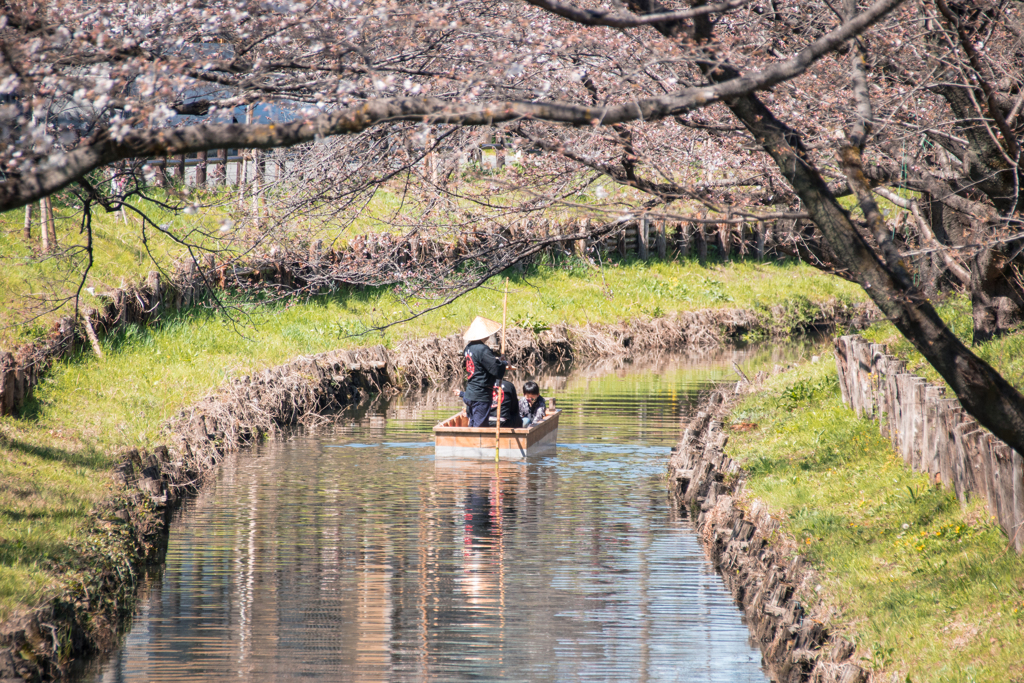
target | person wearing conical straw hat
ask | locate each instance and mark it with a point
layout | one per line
(483, 370)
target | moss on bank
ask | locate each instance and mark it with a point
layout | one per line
(928, 590)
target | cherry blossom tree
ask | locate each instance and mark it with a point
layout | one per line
(747, 108)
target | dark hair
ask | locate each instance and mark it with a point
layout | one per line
(531, 388)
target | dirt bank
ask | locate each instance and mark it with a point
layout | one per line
(39, 645)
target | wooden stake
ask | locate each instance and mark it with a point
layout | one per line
(501, 391)
(44, 226)
(91, 333)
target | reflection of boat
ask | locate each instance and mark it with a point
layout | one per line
(454, 438)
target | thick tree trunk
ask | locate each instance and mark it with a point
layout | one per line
(985, 162)
(996, 297)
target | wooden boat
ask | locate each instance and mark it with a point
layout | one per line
(455, 439)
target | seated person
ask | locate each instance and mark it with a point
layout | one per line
(509, 406)
(532, 406)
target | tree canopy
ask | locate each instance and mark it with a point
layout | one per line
(755, 109)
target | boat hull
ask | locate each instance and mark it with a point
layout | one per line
(454, 439)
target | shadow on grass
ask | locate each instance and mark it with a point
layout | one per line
(87, 457)
(44, 552)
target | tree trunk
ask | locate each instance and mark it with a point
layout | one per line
(982, 391)
(996, 298)
(222, 167)
(201, 169)
(159, 174)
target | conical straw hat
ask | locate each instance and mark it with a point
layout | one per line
(482, 328)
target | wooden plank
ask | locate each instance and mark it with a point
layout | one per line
(937, 436)
(884, 407)
(961, 469)
(724, 237)
(944, 471)
(918, 386)
(878, 354)
(983, 471)
(907, 414)
(842, 367)
(702, 243)
(683, 240)
(1003, 483)
(643, 236)
(1018, 501)
(893, 370)
(864, 391)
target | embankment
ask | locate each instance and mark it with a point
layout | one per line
(933, 433)
(38, 645)
(756, 560)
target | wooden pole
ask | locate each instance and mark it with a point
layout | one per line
(91, 333)
(44, 225)
(201, 169)
(501, 392)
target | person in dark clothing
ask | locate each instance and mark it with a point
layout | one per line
(509, 405)
(532, 406)
(483, 370)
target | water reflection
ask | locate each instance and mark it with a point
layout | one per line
(353, 555)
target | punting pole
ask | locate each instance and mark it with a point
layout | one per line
(501, 392)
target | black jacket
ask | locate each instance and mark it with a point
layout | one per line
(509, 406)
(483, 369)
(536, 412)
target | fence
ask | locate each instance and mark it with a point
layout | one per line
(933, 433)
(354, 264)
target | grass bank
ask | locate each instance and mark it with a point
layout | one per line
(927, 589)
(55, 459)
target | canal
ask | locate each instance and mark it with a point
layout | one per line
(348, 553)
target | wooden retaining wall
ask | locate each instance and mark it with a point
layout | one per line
(762, 569)
(933, 433)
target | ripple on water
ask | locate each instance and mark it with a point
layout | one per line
(352, 555)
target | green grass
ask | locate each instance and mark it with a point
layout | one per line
(33, 284)
(30, 284)
(147, 373)
(52, 485)
(87, 410)
(928, 588)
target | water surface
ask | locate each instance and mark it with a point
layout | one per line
(350, 554)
